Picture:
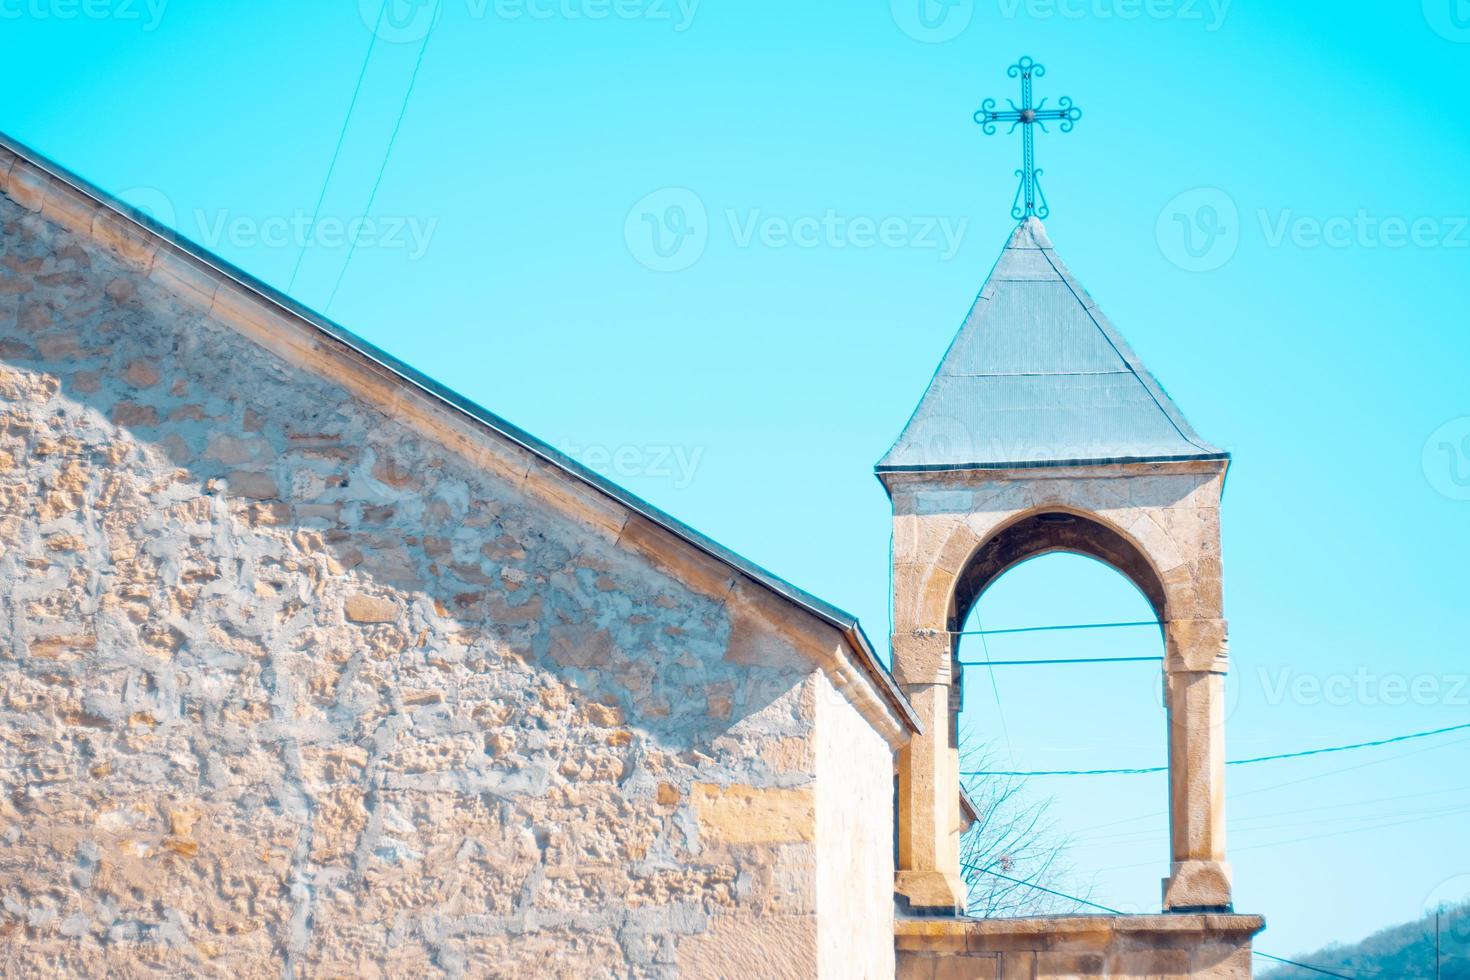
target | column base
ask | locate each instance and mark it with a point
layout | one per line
(1198, 886)
(929, 893)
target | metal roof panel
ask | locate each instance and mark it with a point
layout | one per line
(1037, 375)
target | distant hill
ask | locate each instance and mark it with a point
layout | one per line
(1403, 952)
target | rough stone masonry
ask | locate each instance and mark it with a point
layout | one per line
(304, 674)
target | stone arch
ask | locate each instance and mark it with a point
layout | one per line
(1047, 530)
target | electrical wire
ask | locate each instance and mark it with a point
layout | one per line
(1041, 888)
(994, 689)
(1229, 762)
(392, 140)
(1104, 908)
(1303, 966)
(337, 151)
(1039, 663)
(1049, 629)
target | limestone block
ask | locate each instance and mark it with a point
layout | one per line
(778, 948)
(931, 891)
(921, 659)
(1018, 965)
(1196, 645)
(1195, 885)
(124, 238)
(27, 186)
(369, 609)
(753, 815)
(186, 278)
(69, 208)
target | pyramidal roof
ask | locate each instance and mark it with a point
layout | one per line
(1037, 376)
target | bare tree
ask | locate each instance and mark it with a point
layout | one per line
(1013, 858)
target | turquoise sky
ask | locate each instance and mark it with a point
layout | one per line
(716, 249)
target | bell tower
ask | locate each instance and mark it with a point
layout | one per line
(1043, 432)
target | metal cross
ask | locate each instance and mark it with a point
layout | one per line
(1029, 198)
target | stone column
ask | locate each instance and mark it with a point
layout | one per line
(1194, 666)
(928, 779)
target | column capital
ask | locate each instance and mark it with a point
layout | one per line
(922, 657)
(1196, 646)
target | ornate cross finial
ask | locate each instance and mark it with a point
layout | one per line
(1029, 199)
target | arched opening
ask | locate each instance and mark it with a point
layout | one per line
(1051, 531)
(1102, 837)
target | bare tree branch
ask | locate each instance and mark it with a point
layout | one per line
(1012, 847)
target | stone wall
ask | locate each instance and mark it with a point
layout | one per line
(854, 879)
(290, 685)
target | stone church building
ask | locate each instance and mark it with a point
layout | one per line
(310, 667)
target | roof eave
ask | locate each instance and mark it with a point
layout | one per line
(883, 468)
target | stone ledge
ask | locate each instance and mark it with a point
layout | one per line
(1047, 926)
(913, 933)
(1160, 947)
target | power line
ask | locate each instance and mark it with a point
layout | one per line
(1104, 908)
(1316, 836)
(1251, 825)
(383, 167)
(995, 689)
(1042, 888)
(1048, 629)
(1344, 748)
(1042, 663)
(1160, 814)
(1302, 966)
(1229, 762)
(341, 138)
